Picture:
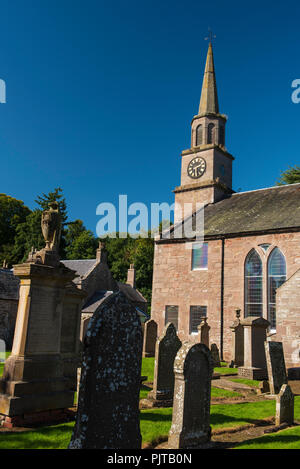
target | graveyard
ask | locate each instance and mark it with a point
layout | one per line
(149, 241)
(228, 421)
(118, 384)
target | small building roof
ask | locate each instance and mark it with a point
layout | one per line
(9, 285)
(81, 266)
(131, 293)
(95, 301)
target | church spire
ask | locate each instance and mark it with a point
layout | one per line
(209, 97)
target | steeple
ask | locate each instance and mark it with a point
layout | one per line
(209, 96)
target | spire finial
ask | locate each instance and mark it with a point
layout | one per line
(209, 97)
(210, 36)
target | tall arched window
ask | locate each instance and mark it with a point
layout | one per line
(253, 285)
(276, 277)
(211, 133)
(222, 135)
(199, 135)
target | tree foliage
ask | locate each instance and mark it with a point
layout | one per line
(289, 176)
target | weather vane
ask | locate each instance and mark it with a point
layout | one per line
(210, 36)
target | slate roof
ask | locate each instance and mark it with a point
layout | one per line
(95, 301)
(81, 266)
(273, 209)
(131, 293)
(9, 285)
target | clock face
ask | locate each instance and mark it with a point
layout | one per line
(196, 167)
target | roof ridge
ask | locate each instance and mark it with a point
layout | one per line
(267, 188)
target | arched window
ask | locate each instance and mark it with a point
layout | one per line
(253, 285)
(211, 133)
(222, 135)
(276, 277)
(199, 135)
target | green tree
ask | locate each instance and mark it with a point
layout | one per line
(28, 235)
(80, 242)
(12, 213)
(289, 176)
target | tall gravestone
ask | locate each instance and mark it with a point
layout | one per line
(150, 336)
(34, 387)
(108, 403)
(276, 366)
(215, 355)
(203, 332)
(193, 368)
(237, 341)
(255, 334)
(167, 346)
(285, 406)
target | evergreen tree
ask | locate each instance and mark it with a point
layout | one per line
(289, 176)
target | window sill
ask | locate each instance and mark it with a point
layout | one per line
(199, 268)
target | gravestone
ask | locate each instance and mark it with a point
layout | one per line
(215, 355)
(193, 368)
(34, 387)
(203, 332)
(285, 406)
(150, 336)
(255, 365)
(275, 365)
(167, 346)
(237, 341)
(108, 403)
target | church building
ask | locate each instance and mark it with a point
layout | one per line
(251, 244)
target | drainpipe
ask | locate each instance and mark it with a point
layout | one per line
(222, 300)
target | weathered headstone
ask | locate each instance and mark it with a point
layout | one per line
(263, 387)
(237, 334)
(150, 336)
(167, 346)
(215, 355)
(193, 368)
(285, 406)
(255, 366)
(276, 366)
(203, 332)
(108, 403)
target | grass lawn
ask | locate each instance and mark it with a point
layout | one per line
(217, 392)
(154, 423)
(249, 382)
(286, 439)
(223, 370)
(148, 368)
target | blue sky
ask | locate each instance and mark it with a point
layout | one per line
(100, 95)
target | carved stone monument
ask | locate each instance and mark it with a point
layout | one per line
(150, 336)
(167, 346)
(237, 341)
(203, 332)
(215, 355)
(276, 366)
(108, 403)
(255, 366)
(285, 406)
(193, 368)
(33, 386)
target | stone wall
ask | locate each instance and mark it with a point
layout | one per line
(100, 278)
(174, 283)
(288, 319)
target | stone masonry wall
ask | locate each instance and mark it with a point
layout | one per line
(174, 283)
(288, 319)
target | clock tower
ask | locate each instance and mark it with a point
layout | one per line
(206, 167)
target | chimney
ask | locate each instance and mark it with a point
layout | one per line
(131, 276)
(101, 254)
